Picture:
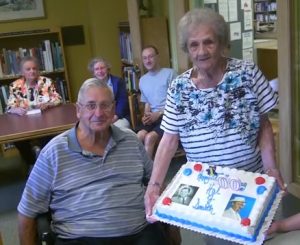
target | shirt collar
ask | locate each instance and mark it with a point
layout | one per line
(116, 136)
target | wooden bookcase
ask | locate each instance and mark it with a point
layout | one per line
(47, 46)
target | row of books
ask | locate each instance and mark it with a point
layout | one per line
(4, 94)
(125, 46)
(265, 6)
(48, 53)
(130, 78)
(266, 17)
(62, 89)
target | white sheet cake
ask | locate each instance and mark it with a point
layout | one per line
(227, 203)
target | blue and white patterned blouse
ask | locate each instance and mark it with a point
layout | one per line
(220, 125)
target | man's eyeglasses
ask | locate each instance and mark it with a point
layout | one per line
(151, 56)
(102, 106)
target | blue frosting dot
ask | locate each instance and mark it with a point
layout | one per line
(261, 189)
(187, 171)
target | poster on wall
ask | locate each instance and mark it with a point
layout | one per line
(235, 31)
(20, 10)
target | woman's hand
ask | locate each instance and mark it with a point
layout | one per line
(18, 111)
(151, 195)
(45, 106)
(274, 172)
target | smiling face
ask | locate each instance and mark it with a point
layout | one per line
(96, 110)
(204, 49)
(237, 206)
(101, 71)
(30, 71)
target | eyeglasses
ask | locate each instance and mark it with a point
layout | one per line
(151, 56)
(105, 106)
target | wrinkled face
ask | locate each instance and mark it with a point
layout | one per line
(204, 48)
(30, 71)
(150, 59)
(97, 109)
(237, 206)
(100, 71)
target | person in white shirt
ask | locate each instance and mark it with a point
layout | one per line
(237, 203)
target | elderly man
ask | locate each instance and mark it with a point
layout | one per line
(92, 179)
(237, 203)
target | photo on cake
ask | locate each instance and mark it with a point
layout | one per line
(184, 194)
(239, 207)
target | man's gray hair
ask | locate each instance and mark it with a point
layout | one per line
(93, 83)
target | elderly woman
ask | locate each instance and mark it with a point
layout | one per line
(100, 69)
(218, 108)
(31, 91)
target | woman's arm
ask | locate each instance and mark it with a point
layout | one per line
(164, 154)
(267, 148)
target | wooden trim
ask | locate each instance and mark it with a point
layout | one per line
(284, 77)
(135, 32)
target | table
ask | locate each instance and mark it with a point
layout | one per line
(50, 122)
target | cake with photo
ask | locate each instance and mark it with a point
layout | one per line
(227, 203)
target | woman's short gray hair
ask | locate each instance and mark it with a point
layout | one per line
(92, 83)
(98, 60)
(204, 16)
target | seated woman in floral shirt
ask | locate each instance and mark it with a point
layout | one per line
(31, 91)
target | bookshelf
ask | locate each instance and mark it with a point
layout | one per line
(44, 44)
(265, 15)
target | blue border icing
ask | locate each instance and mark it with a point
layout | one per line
(226, 233)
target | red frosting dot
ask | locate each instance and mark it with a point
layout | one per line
(260, 180)
(246, 222)
(167, 201)
(198, 167)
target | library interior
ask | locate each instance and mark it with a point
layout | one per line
(64, 37)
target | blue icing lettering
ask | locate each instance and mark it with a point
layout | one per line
(260, 190)
(243, 186)
(187, 172)
(205, 179)
(211, 192)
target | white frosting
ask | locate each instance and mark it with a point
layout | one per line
(211, 193)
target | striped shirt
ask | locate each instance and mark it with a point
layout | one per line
(90, 195)
(220, 125)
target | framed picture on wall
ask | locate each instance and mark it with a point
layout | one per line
(11, 10)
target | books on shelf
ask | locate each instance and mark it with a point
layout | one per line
(130, 78)
(62, 89)
(48, 53)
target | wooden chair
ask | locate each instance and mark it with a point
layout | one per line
(136, 109)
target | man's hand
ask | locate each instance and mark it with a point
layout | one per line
(151, 117)
(274, 228)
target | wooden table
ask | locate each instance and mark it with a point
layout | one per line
(50, 122)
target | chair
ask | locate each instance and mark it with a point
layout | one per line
(45, 235)
(135, 109)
